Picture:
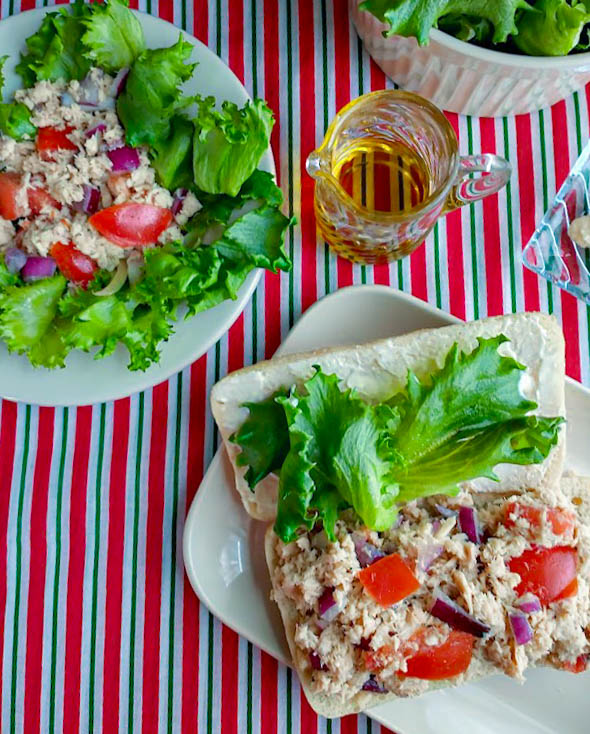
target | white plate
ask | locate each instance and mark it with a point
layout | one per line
(86, 380)
(224, 556)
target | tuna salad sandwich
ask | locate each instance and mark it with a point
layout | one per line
(122, 199)
(423, 534)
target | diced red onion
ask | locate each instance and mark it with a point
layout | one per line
(124, 158)
(37, 268)
(90, 201)
(521, 628)
(528, 604)
(436, 526)
(366, 552)
(135, 263)
(119, 82)
(468, 524)
(373, 685)
(100, 128)
(178, 201)
(455, 616)
(327, 606)
(14, 259)
(316, 662)
(428, 554)
(445, 511)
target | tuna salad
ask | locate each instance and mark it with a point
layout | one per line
(459, 588)
(121, 198)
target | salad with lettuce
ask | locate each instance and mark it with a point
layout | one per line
(533, 27)
(136, 282)
(332, 450)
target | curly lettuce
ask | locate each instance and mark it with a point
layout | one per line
(455, 425)
(15, 117)
(554, 29)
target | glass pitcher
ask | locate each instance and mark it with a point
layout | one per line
(389, 166)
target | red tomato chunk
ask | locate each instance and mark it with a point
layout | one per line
(389, 580)
(132, 224)
(550, 573)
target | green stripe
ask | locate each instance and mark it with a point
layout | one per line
(58, 521)
(323, 26)
(133, 620)
(545, 193)
(176, 489)
(218, 27)
(19, 541)
(473, 232)
(289, 702)
(249, 691)
(210, 673)
(511, 258)
(290, 158)
(99, 465)
(437, 267)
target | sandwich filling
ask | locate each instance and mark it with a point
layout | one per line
(459, 587)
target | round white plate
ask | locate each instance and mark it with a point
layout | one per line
(224, 548)
(85, 380)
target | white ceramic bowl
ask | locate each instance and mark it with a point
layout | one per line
(465, 78)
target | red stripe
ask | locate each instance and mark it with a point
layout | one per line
(235, 345)
(307, 142)
(491, 226)
(153, 557)
(229, 681)
(38, 558)
(309, 718)
(8, 420)
(268, 694)
(73, 635)
(454, 233)
(236, 37)
(166, 10)
(349, 725)
(272, 283)
(114, 571)
(194, 473)
(201, 20)
(526, 190)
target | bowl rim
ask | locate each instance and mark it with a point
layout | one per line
(508, 59)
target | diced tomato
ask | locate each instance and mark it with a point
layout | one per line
(39, 199)
(10, 184)
(389, 580)
(132, 224)
(50, 139)
(73, 264)
(550, 573)
(562, 521)
(438, 662)
(580, 665)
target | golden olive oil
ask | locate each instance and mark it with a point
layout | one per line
(382, 177)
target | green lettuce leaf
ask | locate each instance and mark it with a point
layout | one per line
(26, 316)
(15, 118)
(114, 36)
(263, 438)
(456, 425)
(554, 29)
(228, 144)
(257, 237)
(172, 157)
(56, 51)
(152, 96)
(467, 28)
(334, 446)
(417, 17)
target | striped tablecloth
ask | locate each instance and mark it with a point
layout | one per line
(99, 628)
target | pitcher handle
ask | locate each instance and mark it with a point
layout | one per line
(496, 173)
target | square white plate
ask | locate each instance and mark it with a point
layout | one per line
(233, 579)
